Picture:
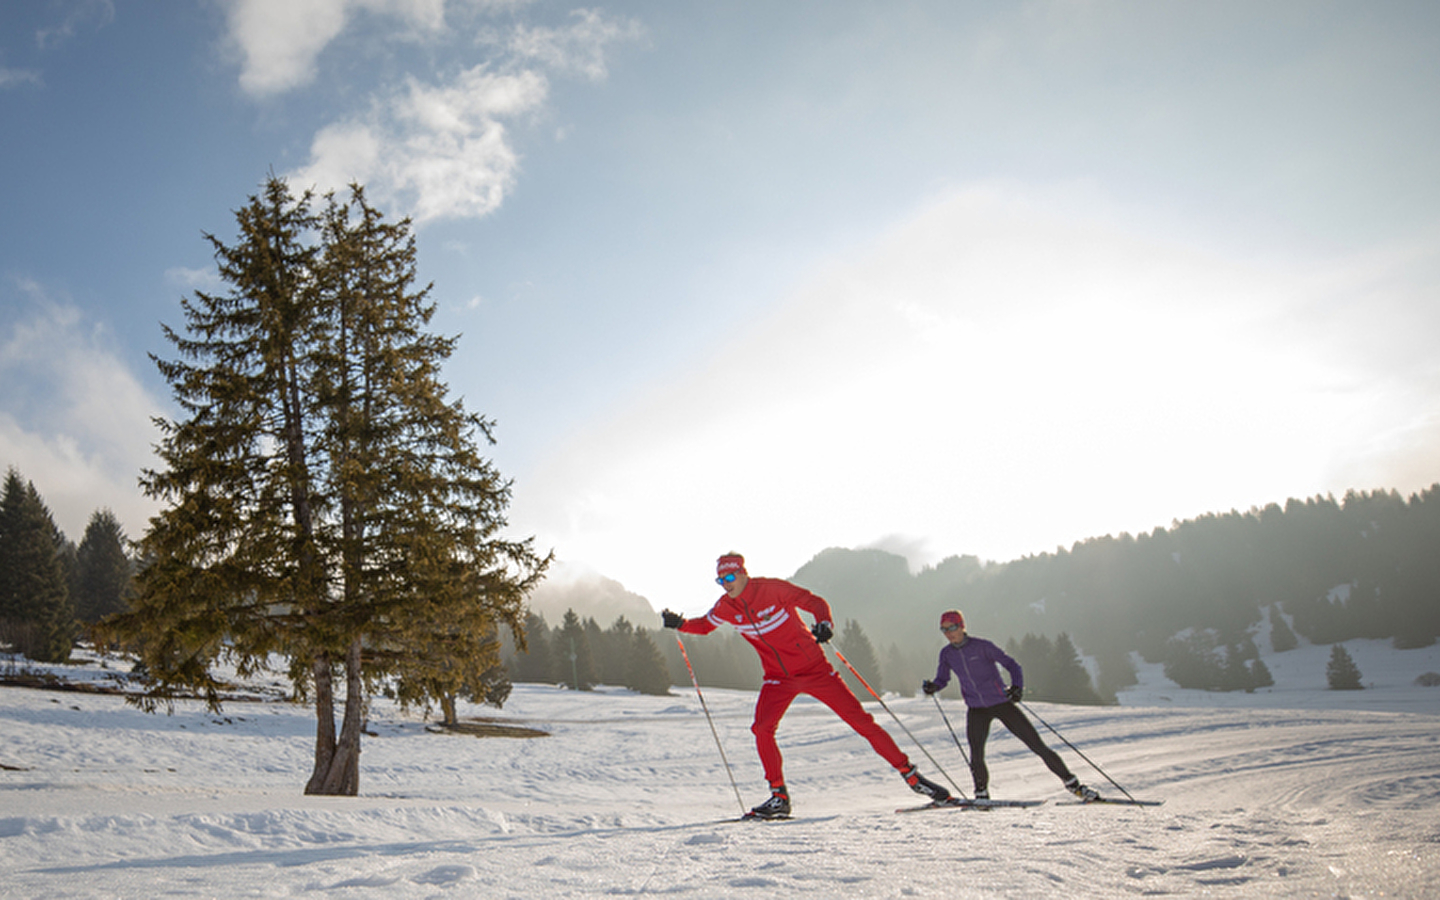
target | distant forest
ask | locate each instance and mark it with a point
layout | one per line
(1200, 597)
(1195, 597)
(1192, 596)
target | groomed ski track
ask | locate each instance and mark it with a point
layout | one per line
(624, 797)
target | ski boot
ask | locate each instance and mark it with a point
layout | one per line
(777, 807)
(922, 785)
(1085, 793)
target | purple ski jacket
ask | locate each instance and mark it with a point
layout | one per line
(975, 663)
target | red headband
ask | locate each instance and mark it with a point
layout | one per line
(730, 562)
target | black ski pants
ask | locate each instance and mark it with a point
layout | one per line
(977, 731)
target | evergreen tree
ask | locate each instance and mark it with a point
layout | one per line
(36, 618)
(723, 660)
(1259, 675)
(645, 669)
(573, 657)
(323, 499)
(602, 659)
(858, 650)
(1070, 679)
(534, 664)
(10, 605)
(1117, 671)
(1191, 662)
(1341, 672)
(1234, 673)
(1036, 655)
(612, 652)
(103, 569)
(899, 673)
(1281, 637)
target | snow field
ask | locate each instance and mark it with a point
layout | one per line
(627, 795)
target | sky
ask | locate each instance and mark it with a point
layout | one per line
(986, 278)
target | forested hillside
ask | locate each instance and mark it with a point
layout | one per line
(1190, 595)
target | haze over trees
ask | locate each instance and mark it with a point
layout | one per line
(1195, 597)
(1327, 570)
(1198, 598)
(323, 499)
(580, 655)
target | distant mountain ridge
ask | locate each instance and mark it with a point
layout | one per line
(1362, 567)
(592, 597)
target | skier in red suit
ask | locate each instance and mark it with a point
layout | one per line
(766, 612)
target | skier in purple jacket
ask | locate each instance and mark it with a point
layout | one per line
(976, 663)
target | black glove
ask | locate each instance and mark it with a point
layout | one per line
(1014, 692)
(671, 620)
(929, 687)
(822, 631)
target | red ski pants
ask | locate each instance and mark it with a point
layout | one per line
(829, 689)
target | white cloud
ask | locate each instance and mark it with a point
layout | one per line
(431, 148)
(189, 279)
(434, 151)
(1001, 374)
(10, 78)
(78, 15)
(578, 48)
(76, 420)
(280, 41)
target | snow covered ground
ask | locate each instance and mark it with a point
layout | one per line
(1292, 791)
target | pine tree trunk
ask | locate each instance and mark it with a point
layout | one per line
(342, 779)
(447, 708)
(324, 723)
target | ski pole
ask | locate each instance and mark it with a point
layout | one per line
(963, 755)
(691, 669)
(1076, 749)
(883, 705)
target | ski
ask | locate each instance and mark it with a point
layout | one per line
(751, 817)
(1110, 801)
(973, 804)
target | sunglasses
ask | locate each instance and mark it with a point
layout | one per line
(949, 628)
(727, 579)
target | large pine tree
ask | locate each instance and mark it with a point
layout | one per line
(325, 501)
(36, 617)
(103, 569)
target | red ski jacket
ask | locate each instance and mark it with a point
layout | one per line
(766, 613)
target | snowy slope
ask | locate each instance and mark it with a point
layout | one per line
(1286, 796)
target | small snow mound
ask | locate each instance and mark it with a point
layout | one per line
(445, 875)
